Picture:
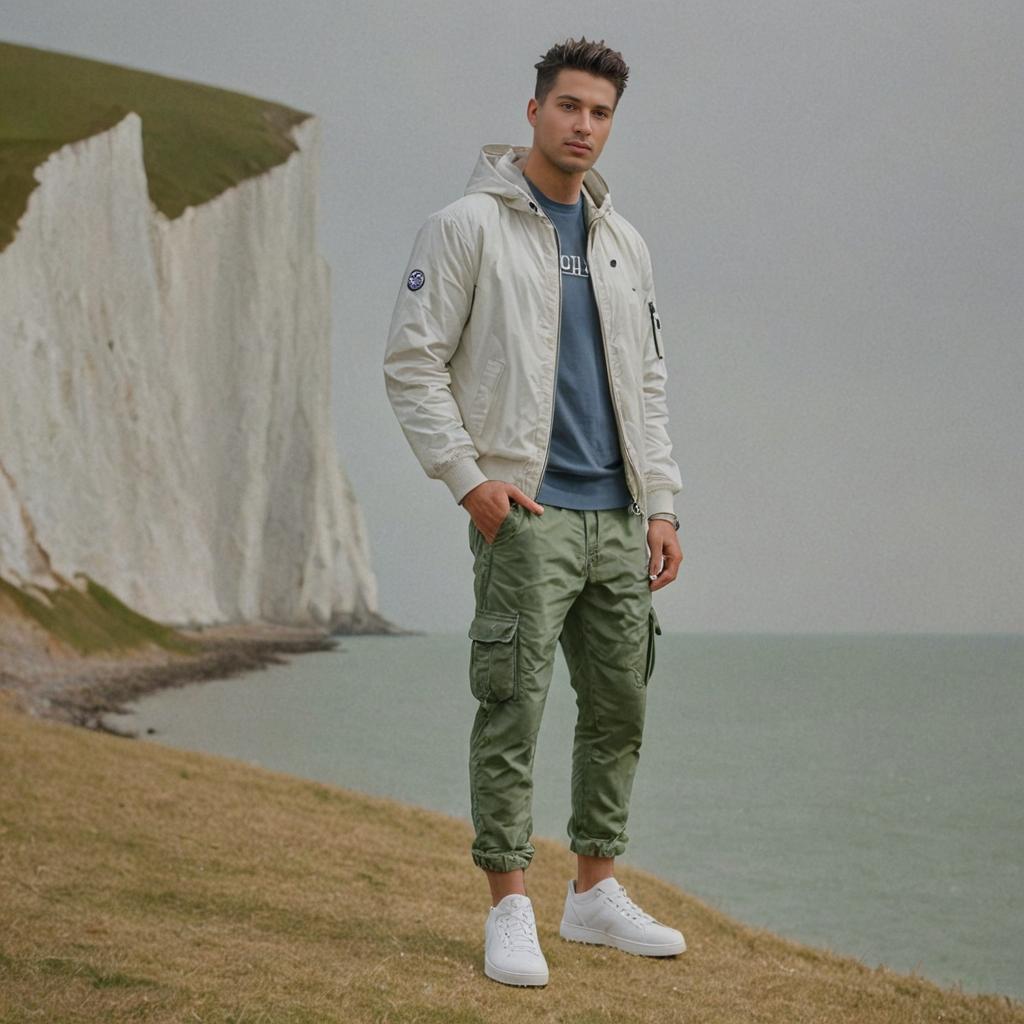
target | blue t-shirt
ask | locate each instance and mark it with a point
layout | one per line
(584, 469)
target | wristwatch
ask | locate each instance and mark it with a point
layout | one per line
(670, 516)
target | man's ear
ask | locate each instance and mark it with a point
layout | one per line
(531, 111)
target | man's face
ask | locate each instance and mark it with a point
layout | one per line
(572, 125)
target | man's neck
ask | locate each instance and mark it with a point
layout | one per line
(555, 184)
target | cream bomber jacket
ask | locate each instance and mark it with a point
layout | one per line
(472, 352)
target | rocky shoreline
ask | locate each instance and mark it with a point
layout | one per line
(82, 690)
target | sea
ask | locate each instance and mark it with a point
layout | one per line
(860, 793)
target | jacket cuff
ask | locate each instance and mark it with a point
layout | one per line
(660, 501)
(462, 476)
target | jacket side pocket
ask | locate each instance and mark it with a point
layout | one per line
(494, 657)
(653, 627)
(484, 397)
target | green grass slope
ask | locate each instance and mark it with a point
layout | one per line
(198, 140)
(139, 882)
(92, 621)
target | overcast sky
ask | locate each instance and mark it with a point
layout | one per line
(832, 195)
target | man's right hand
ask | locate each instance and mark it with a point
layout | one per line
(490, 502)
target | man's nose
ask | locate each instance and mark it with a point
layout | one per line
(583, 123)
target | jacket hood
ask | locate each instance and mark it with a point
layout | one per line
(499, 171)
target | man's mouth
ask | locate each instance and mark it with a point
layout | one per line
(581, 146)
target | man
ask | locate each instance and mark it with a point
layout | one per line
(526, 367)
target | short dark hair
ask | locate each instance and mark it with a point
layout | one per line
(591, 56)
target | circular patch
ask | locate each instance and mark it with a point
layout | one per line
(416, 280)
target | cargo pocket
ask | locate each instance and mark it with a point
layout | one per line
(653, 627)
(493, 660)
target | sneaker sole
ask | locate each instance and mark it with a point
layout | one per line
(577, 933)
(513, 977)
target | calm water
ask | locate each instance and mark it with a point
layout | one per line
(861, 793)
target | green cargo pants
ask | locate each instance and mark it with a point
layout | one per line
(579, 578)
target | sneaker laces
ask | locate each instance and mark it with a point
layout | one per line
(519, 930)
(626, 906)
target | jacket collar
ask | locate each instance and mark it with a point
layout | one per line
(499, 171)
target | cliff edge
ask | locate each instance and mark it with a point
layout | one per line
(165, 396)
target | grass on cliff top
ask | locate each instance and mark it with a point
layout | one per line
(198, 140)
(140, 882)
(95, 620)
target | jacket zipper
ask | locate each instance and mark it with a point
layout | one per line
(558, 345)
(635, 506)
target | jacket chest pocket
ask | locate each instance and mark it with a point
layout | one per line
(630, 324)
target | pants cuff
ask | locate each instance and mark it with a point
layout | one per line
(501, 861)
(599, 847)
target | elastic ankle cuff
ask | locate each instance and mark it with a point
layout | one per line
(599, 847)
(501, 861)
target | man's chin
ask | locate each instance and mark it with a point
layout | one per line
(577, 165)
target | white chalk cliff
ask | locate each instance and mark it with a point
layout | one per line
(165, 396)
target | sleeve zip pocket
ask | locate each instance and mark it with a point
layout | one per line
(656, 329)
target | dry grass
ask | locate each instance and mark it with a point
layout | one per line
(138, 882)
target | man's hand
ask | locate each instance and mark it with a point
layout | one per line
(664, 545)
(489, 503)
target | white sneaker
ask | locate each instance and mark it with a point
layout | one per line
(605, 915)
(511, 948)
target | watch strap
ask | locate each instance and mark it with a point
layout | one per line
(670, 516)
